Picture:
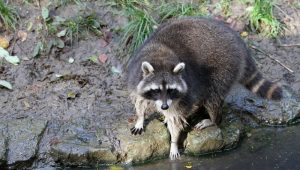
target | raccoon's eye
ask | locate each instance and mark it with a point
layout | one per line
(170, 91)
(156, 91)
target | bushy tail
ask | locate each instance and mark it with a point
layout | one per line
(254, 81)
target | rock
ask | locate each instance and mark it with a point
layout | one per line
(204, 141)
(214, 139)
(19, 140)
(23, 141)
(79, 146)
(83, 147)
(152, 144)
(285, 111)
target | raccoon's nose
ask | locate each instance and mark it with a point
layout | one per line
(164, 107)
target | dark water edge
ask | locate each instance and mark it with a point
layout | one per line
(264, 148)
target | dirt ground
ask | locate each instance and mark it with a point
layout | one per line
(50, 88)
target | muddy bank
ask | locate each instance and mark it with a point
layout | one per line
(78, 114)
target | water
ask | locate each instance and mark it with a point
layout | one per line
(264, 148)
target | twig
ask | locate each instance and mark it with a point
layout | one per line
(271, 57)
(289, 45)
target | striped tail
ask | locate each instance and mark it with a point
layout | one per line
(255, 82)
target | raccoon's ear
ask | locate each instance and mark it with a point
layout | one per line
(147, 68)
(178, 68)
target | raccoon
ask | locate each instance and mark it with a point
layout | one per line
(187, 64)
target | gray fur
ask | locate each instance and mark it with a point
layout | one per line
(214, 58)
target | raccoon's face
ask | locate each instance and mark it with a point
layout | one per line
(163, 87)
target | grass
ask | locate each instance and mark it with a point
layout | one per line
(138, 29)
(144, 18)
(225, 6)
(8, 16)
(262, 18)
(81, 24)
(177, 10)
(61, 32)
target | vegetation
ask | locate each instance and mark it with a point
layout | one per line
(144, 18)
(61, 31)
(262, 19)
(8, 15)
(141, 23)
(225, 7)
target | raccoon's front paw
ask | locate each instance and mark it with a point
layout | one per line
(136, 131)
(174, 153)
(204, 124)
(138, 127)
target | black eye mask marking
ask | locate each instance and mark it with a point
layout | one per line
(152, 94)
(173, 93)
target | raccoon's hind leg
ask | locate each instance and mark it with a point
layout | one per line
(214, 108)
(140, 107)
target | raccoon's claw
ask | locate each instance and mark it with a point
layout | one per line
(204, 124)
(174, 153)
(174, 156)
(136, 131)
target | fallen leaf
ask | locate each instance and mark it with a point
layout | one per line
(29, 26)
(58, 75)
(37, 49)
(244, 34)
(189, 165)
(115, 70)
(103, 58)
(62, 33)
(4, 43)
(71, 60)
(22, 35)
(12, 59)
(45, 13)
(93, 59)
(71, 95)
(5, 84)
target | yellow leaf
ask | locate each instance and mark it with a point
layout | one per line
(71, 95)
(244, 34)
(188, 165)
(3, 42)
